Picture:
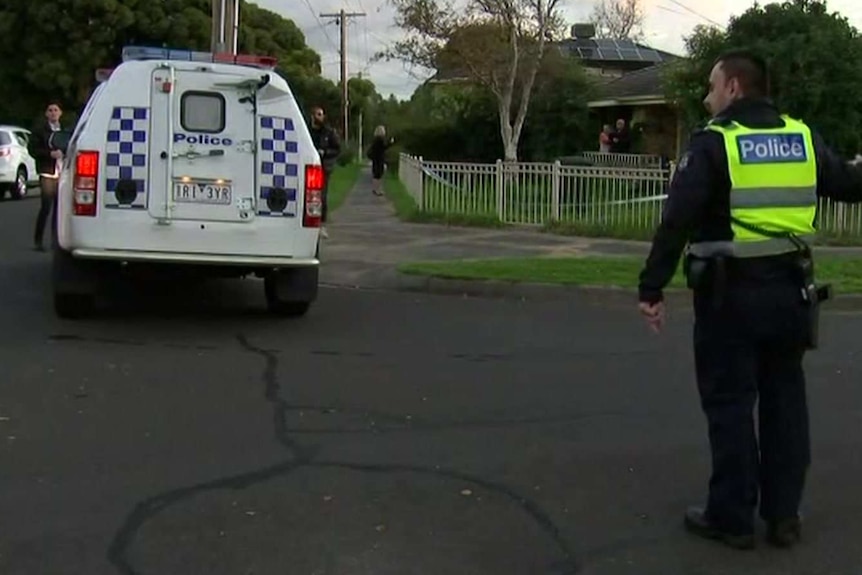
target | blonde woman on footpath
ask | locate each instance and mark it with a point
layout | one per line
(377, 155)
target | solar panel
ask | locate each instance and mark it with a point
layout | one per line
(650, 55)
(614, 50)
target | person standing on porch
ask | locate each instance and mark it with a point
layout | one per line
(605, 139)
(621, 139)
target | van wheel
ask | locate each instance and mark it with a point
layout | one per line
(74, 286)
(19, 188)
(73, 305)
(274, 286)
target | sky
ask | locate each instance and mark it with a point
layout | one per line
(666, 24)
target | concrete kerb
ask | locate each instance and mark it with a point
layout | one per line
(541, 291)
(394, 280)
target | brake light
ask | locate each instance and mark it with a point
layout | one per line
(85, 183)
(5, 152)
(314, 183)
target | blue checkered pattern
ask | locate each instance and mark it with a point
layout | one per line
(278, 166)
(127, 154)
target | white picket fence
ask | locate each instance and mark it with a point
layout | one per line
(628, 193)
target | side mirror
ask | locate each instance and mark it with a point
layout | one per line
(59, 140)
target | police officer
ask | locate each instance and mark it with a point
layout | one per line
(328, 144)
(744, 198)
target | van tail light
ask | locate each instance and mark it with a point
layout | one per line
(314, 183)
(5, 152)
(85, 189)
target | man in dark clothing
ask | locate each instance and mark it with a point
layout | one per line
(752, 314)
(621, 141)
(48, 167)
(329, 147)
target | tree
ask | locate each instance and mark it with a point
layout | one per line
(619, 19)
(814, 59)
(558, 122)
(50, 49)
(498, 44)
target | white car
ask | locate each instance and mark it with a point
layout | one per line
(17, 166)
(190, 159)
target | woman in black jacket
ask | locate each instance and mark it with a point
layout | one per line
(48, 162)
(377, 155)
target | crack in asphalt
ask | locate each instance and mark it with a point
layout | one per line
(302, 456)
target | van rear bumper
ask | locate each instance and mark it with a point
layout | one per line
(195, 259)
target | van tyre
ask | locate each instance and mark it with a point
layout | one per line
(73, 305)
(290, 293)
(74, 286)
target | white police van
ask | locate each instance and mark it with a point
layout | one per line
(190, 159)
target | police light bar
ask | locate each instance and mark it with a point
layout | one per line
(148, 53)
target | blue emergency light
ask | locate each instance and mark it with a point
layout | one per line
(172, 54)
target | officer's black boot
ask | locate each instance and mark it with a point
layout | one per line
(784, 533)
(697, 522)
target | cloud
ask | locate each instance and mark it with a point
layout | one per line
(667, 23)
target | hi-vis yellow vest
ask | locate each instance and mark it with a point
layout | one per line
(773, 180)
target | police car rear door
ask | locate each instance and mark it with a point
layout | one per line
(202, 145)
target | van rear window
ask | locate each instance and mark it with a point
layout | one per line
(5, 139)
(202, 112)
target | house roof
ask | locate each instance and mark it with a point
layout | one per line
(625, 54)
(610, 50)
(643, 84)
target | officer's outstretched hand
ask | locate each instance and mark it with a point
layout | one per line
(654, 314)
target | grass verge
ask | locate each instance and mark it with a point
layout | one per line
(341, 181)
(843, 272)
(407, 210)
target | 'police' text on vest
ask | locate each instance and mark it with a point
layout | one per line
(771, 148)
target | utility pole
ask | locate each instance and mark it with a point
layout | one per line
(341, 18)
(225, 26)
(361, 153)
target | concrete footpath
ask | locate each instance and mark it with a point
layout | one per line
(367, 242)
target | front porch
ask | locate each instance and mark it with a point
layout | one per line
(637, 97)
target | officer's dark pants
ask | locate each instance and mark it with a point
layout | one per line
(751, 345)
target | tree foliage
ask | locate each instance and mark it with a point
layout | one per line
(458, 121)
(619, 19)
(50, 49)
(498, 44)
(814, 59)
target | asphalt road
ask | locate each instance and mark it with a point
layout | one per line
(185, 432)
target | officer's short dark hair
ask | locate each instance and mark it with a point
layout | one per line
(749, 69)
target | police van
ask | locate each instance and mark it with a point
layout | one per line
(187, 158)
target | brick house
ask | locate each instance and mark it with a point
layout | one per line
(630, 87)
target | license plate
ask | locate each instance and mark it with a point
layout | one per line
(202, 193)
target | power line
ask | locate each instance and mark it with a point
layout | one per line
(320, 23)
(698, 14)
